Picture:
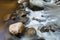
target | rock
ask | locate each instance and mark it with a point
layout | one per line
(30, 4)
(22, 4)
(13, 16)
(25, 4)
(21, 1)
(23, 13)
(17, 18)
(41, 4)
(34, 18)
(44, 29)
(34, 5)
(35, 8)
(30, 32)
(38, 3)
(20, 7)
(16, 28)
(24, 20)
(52, 28)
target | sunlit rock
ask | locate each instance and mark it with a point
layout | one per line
(16, 28)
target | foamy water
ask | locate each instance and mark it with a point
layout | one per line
(36, 24)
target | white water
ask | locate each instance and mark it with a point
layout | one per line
(35, 24)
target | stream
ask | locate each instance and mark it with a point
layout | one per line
(43, 21)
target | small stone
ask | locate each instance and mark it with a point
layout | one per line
(21, 1)
(44, 29)
(35, 8)
(23, 13)
(52, 28)
(30, 32)
(16, 28)
(25, 4)
(20, 6)
(24, 20)
(13, 16)
(34, 18)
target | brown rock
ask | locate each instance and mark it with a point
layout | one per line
(52, 28)
(34, 18)
(13, 16)
(44, 29)
(30, 32)
(23, 13)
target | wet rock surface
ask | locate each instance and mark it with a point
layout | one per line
(30, 32)
(24, 20)
(44, 29)
(23, 13)
(52, 28)
(35, 8)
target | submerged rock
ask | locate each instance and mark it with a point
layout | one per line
(23, 13)
(30, 32)
(44, 29)
(47, 28)
(52, 28)
(35, 8)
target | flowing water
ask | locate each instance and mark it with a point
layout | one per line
(43, 21)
